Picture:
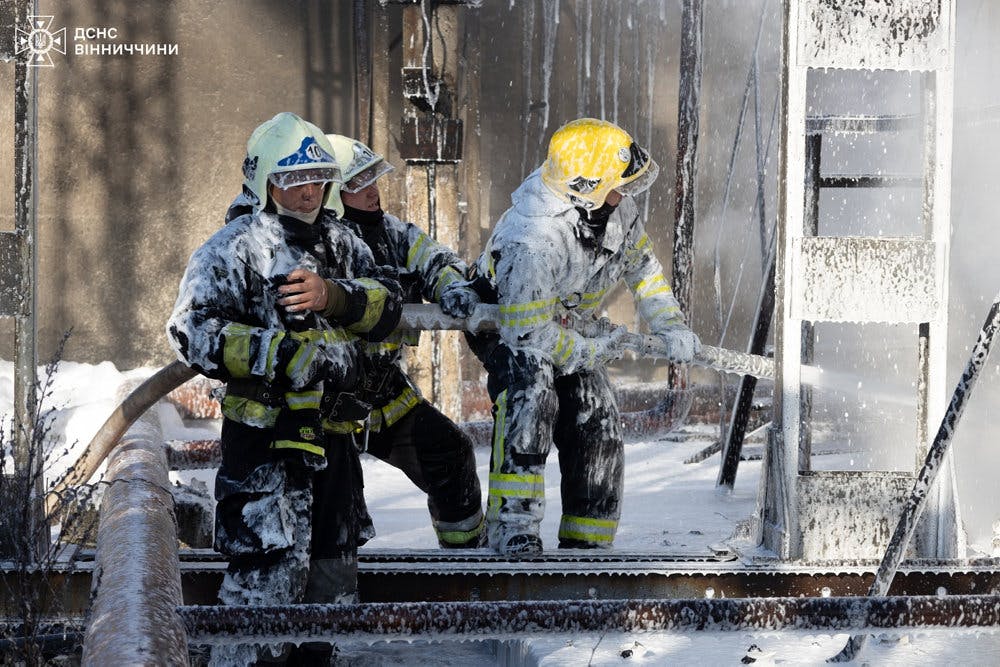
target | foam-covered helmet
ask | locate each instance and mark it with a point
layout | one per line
(588, 158)
(288, 151)
(359, 165)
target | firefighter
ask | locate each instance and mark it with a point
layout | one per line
(404, 429)
(276, 304)
(572, 234)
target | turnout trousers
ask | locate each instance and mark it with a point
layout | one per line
(534, 407)
(439, 459)
(290, 526)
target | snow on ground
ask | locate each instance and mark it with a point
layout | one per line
(669, 506)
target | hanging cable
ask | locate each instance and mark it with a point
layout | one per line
(430, 91)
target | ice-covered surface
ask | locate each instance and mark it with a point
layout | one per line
(853, 279)
(905, 34)
(669, 506)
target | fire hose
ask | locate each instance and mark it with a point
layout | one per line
(428, 316)
(415, 317)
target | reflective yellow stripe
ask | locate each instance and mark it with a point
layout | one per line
(459, 537)
(673, 311)
(491, 269)
(496, 460)
(304, 446)
(417, 255)
(342, 428)
(652, 285)
(456, 533)
(377, 295)
(504, 485)
(526, 314)
(564, 348)
(499, 430)
(592, 299)
(397, 408)
(530, 305)
(385, 347)
(332, 336)
(249, 412)
(526, 321)
(236, 349)
(303, 400)
(595, 531)
(631, 252)
(301, 360)
(445, 277)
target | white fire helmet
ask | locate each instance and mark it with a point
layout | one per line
(360, 165)
(289, 151)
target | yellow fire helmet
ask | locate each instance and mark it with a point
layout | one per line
(588, 158)
(288, 151)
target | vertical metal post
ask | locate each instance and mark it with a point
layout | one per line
(744, 397)
(687, 158)
(27, 457)
(687, 150)
(814, 156)
(779, 517)
(363, 70)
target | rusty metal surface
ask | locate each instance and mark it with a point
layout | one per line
(865, 279)
(194, 399)
(193, 454)
(524, 619)
(874, 34)
(430, 138)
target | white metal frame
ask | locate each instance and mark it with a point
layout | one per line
(816, 35)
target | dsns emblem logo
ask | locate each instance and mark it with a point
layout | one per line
(38, 40)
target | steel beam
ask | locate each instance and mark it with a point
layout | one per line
(218, 624)
(390, 576)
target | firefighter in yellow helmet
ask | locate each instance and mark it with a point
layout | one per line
(573, 233)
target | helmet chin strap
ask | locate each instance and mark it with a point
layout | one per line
(596, 220)
(308, 216)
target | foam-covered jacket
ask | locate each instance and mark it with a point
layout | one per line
(425, 268)
(226, 316)
(541, 260)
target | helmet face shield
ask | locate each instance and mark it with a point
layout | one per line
(366, 177)
(640, 184)
(291, 179)
(288, 151)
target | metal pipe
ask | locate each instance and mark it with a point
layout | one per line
(216, 624)
(137, 571)
(135, 404)
(28, 457)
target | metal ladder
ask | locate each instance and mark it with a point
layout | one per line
(811, 515)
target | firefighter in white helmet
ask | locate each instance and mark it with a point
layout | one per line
(277, 304)
(573, 233)
(404, 429)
